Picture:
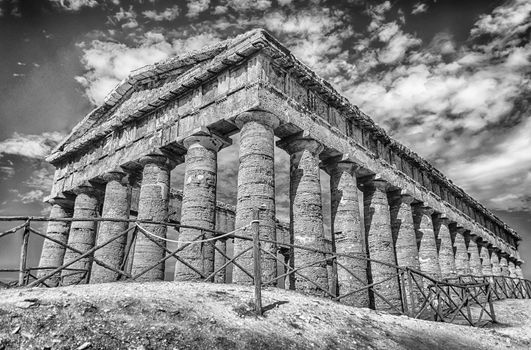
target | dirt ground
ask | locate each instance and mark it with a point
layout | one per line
(168, 315)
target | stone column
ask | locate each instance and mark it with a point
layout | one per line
(347, 232)
(379, 240)
(116, 205)
(256, 189)
(486, 266)
(306, 216)
(518, 271)
(82, 235)
(461, 252)
(221, 244)
(428, 258)
(407, 254)
(495, 261)
(504, 266)
(199, 205)
(446, 250)
(474, 261)
(152, 205)
(52, 253)
(512, 269)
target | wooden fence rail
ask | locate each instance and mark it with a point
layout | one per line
(421, 296)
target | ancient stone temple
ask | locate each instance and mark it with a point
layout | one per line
(117, 161)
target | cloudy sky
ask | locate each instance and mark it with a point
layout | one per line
(449, 79)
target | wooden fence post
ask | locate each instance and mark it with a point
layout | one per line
(23, 255)
(255, 228)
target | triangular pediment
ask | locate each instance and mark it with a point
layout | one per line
(157, 83)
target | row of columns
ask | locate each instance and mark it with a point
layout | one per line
(397, 229)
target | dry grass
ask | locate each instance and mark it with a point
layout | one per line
(169, 315)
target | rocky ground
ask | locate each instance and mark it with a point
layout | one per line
(167, 315)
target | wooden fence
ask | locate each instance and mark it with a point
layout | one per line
(419, 295)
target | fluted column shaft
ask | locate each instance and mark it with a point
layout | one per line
(486, 266)
(82, 235)
(474, 261)
(256, 189)
(461, 252)
(512, 269)
(495, 261)
(198, 206)
(428, 258)
(221, 244)
(347, 232)
(518, 271)
(379, 240)
(504, 266)
(152, 205)
(306, 216)
(446, 250)
(407, 254)
(116, 205)
(52, 253)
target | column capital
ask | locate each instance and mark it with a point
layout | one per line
(341, 164)
(259, 116)
(158, 158)
(88, 189)
(300, 142)
(64, 200)
(207, 139)
(375, 182)
(424, 209)
(443, 219)
(402, 196)
(114, 175)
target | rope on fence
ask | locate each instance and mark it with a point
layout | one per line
(191, 242)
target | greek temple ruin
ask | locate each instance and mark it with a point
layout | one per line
(116, 163)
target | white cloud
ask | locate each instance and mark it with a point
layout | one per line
(397, 47)
(127, 17)
(196, 7)
(31, 146)
(512, 17)
(419, 8)
(246, 5)
(108, 63)
(169, 14)
(75, 5)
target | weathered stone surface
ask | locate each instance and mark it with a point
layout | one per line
(116, 204)
(406, 250)
(306, 216)
(495, 261)
(379, 240)
(152, 205)
(461, 252)
(518, 271)
(221, 244)
(52, 253)
(198, 207)
(474, 261)
(504, 266)
(256, 190)
(512, 269)
(348, 233)
(407, 254)
(484, 255)
(159, 104)
(82, 236)
(428, 257)
(446, 250)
